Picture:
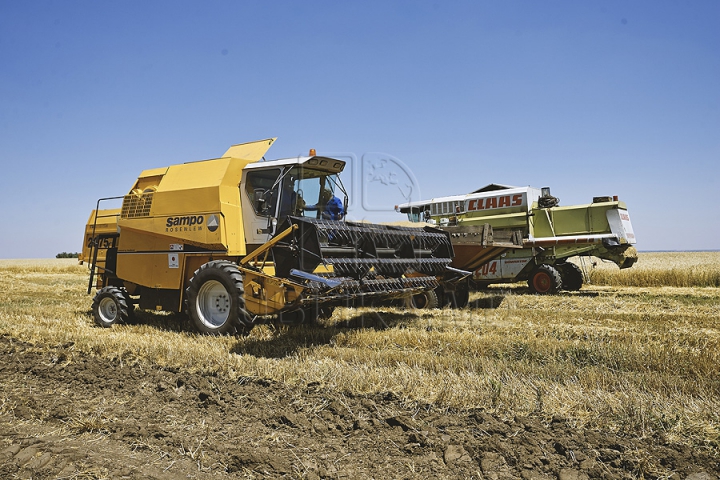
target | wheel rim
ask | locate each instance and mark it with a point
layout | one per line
(542, 282)
(107, 310)
(213, 304)
(420, 300)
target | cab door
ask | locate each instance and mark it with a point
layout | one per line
(260, 200)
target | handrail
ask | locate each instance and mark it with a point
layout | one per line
(94, 243)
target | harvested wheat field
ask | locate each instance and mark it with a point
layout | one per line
(618, 380)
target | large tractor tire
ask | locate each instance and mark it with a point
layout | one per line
(461, 298)
(111, 305)
(457, 298)
(215, 299)
(545, 280)
(572, 276)
(424, 300)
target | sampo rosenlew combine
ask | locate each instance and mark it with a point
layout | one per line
(507, 234)
(234, 239)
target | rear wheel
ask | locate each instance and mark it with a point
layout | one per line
(454, 295)
(460, 297)
(423, 300)
(545, 279)
(215, 299)
(111, 305)
(572, 276)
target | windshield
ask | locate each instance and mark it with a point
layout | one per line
(316, 193)
(309, 184)
(419, 214)
(296, 191)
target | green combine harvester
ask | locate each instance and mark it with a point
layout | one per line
(508, 234)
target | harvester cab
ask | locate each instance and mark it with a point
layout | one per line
(278, 189)
(234, 239)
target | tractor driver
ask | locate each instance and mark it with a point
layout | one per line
(331, 206)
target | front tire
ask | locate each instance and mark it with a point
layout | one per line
(545, 280)
(215, 299)
(111, 305)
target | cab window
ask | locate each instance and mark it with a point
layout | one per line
(259, 188)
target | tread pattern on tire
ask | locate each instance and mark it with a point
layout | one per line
(430, 300)
(457, 298)
(461, 296)
(572, 276)
(240, 320)
(552, 281)
(121, 299)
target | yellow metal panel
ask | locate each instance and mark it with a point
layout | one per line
(149, 182)
(150, 269)
(106, 223)
(232, 228)
(168, 269)
(187, 196)
(199, 187)
(153, 172)
(266, 295)
(135, 268)
(186, 202)
(158, 233)
(233, 174)
(189, 176)
(252, 151)
(269, 270)
(144, 258)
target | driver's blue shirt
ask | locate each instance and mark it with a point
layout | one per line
(334, 209)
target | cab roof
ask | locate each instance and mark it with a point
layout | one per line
(323, 163)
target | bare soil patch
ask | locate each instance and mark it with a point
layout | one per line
(67, 414)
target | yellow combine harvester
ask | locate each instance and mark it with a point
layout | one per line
(233, 239)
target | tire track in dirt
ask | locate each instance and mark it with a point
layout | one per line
(64, 414)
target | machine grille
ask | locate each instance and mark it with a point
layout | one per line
(135, 205)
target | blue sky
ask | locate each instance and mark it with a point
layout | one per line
(590, 98)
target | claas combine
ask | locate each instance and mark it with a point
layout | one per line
(233, 240)
(507, 234)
